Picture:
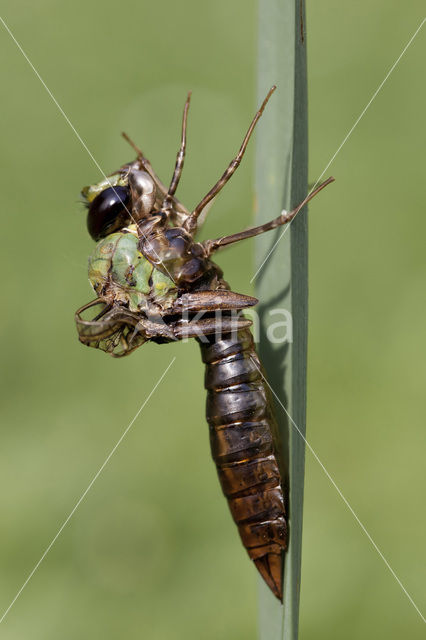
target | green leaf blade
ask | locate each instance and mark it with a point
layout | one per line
(281, 182)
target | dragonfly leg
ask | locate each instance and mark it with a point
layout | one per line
(180, 212)
(208, 326)
(221, 299)
(180, 158)
(143, 161)
(191, 223)
(213, 245)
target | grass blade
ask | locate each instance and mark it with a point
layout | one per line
(281, 182)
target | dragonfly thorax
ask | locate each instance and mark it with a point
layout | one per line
(146, 266)
(143, 194)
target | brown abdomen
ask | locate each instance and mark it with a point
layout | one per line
(241, 436)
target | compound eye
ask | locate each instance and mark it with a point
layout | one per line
(109, 212)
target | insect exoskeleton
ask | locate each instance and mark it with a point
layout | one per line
(119, 272)
(153, 281)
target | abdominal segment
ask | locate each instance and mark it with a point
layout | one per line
(241, 436)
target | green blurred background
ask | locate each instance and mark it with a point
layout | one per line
(152, 552)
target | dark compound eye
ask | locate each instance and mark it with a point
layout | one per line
(109, 212)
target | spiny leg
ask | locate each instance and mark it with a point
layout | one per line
(161, 188)
(191, 223)
(145, 164)
(220, 325)
(143, 161)
(219, 299)
(180, 158)
(213, 245)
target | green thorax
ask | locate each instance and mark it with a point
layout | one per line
(120, 273)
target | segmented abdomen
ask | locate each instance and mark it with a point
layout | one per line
(241, 436)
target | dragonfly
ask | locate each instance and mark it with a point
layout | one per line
(154, 282)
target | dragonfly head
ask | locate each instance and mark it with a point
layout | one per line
(109, 205)
(123, 198)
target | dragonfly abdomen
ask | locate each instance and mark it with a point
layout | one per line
(241, 437)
